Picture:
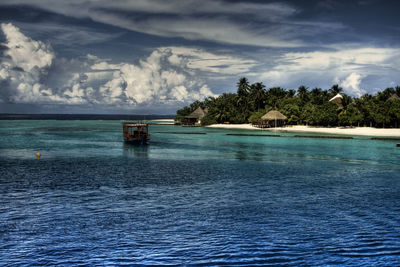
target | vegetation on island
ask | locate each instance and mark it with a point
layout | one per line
(301, 106)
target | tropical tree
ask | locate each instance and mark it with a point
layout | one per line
(335, 89)
(324, 115)
(394, 112)
(257, 96)
(304, 107)
(242, 102)
(243, 87)
(317, 96)
(289, 106)
(256, 116)
(303, 95)
(350, 116)
(273, 95)
(397, 88)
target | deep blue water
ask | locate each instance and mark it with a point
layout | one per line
(206, 199)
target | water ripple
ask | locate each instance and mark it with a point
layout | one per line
(209, 200)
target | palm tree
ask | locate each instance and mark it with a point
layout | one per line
(317, 96)
(243, 87)
(397, 88)
(302, 92)
(335, 89)
(257, 94)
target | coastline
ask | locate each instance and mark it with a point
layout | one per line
(162, 122)
(363, 131)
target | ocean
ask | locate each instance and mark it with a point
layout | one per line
(204, 198)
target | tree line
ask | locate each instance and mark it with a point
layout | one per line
(301, 106)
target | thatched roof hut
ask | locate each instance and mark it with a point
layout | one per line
(194, 118)
(337, 99)
(273, 115)
(199, 113)
(393, 97)
(272, 119)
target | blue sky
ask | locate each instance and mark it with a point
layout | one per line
(155, 56)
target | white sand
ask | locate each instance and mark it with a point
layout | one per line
(163, 121)
(367, 131)
(166, 120)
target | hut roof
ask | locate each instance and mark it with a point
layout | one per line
(199, 113)
(392, 97)
(273, 115)
(337, 99)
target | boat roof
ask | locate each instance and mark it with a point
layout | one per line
(135, 124)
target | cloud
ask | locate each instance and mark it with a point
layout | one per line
(221, 30)
(328, 5)
(80, 8)
(239, 23)
(347, 65)
(31, 73)
(351, 84)
(198, 59)
(24, 63)
(73, 35)
(25, 52)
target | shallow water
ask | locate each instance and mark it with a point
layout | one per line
(206, 199)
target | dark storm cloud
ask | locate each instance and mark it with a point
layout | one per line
(257, 23)
(3, 47)
(260, 24)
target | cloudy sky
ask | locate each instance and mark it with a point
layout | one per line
(154, 56)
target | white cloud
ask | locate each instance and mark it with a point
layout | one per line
(80, 8)
(175, 60)
(159, 78)
(24, 64)
(346, 59)
(349, 66)
(179, 92)
(25, 52)
(351, 84)
(198, 59)
(219, 30)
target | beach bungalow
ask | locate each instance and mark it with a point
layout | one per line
(393, 97)
(337, 99)
(194, 118)
(272, 119)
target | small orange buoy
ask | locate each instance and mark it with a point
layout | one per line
(38, 155)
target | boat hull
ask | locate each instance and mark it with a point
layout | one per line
(137, 142)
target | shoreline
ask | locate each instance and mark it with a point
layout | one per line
(361, 131)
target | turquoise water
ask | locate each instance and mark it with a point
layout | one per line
(201, 199)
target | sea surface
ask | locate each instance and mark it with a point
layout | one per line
(194, 199)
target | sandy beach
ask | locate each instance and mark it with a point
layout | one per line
(163, 121)
(166, 120)
(365, 131)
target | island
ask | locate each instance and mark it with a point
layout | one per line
(302, 110)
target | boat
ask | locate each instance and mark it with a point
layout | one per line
(136, 132)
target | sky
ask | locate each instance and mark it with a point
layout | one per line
(156, 56)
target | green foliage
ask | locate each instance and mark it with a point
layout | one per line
(324, 115)
(350, 116)
(257, 96)
(303, 106)
(394, 112)
(243, 87)
(256, 116)
(208, 120)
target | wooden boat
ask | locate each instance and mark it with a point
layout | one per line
(136, 133)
